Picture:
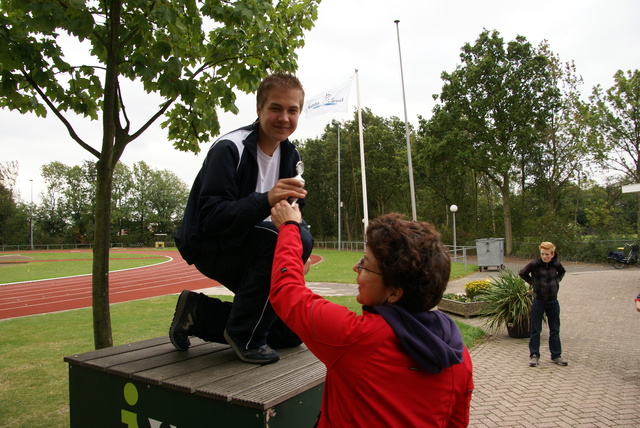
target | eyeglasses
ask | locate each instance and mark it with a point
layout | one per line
(361, 267)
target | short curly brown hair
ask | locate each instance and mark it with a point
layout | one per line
(410, 256)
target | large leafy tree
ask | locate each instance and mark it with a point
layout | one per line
(494, 109)
(616, 125)
(190, 54)
(565, 158)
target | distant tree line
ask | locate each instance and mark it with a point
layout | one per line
(512, 142)
(146, 202)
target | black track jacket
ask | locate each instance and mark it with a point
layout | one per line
(544, 277)
(223, 204)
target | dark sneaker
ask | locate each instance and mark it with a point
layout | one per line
(560, 361)
(183, 319)
(533, 362)
(261, 355)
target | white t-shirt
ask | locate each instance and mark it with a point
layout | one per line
(268, 169)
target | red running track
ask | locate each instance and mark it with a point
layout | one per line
(61, 294)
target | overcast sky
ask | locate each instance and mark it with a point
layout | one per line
(600, 36)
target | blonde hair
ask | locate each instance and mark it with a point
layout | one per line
(548, 246)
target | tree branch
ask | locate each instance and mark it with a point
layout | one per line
(57, 112)
(152, 119)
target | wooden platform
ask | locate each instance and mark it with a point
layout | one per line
(151, 383)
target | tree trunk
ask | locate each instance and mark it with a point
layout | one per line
(100, 280)
(104, 182)
(506, 206)
(638, 214)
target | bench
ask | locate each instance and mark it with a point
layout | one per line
(151, 384)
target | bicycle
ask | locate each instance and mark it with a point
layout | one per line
(618, 259)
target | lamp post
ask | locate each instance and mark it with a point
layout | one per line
(31, 215)
(453, 209)
(406, 129)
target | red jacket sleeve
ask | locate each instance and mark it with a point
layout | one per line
(326, 328)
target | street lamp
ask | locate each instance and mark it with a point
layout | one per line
(453, 209)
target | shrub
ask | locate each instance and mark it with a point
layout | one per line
(508, 301)
(474, 288)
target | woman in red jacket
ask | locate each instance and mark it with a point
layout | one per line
(400, 364)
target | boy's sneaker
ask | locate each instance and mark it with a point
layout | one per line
(533, 362)
(183, 320)
(261, 355)
(560, 361)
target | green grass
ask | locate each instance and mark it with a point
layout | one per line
(34, 390)
(337, 266)
(46, 265)
(34, 378)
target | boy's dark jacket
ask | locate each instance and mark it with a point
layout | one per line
(544, 277)
(223, 204)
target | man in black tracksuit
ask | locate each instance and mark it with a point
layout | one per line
(227, 231)
(544, 275)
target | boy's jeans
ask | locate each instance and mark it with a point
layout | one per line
(552, 309)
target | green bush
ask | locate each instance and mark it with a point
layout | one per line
(508, 301)
(475, 288)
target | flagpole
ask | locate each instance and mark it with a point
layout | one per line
(364, 175)
(406, 128)
(339, 197)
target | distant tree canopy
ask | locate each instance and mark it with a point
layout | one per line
(146, 201)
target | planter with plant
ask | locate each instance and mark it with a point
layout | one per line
(467, 304)
(508, 304)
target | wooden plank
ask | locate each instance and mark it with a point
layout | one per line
(80, 359)
(105, 359)
(163, 359)
(158, 375)
(226, 388)
(192, 380)
(106, 363)
(282, 388)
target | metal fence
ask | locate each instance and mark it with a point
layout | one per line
(28, 247)
(341, 246)
(458, 255)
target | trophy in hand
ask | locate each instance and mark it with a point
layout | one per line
(299, 170)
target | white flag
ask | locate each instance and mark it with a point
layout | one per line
(333, 100)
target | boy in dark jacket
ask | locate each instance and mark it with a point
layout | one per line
(227, 231)
(544, 276)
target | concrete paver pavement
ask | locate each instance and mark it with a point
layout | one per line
(600, 333)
